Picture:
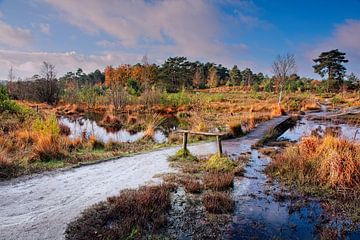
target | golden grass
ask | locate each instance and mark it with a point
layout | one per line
(330, 162)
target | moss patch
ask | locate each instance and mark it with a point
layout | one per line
(183, 155)
(218, 163)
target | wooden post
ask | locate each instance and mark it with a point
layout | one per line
(219, 147)
(185, 136)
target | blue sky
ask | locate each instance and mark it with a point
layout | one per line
(93, 34)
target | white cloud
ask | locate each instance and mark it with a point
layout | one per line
(44, 28)
(346, 38)
(189, 28)
(26, 64)
(14, 36)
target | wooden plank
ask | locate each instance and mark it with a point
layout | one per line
(200, 133)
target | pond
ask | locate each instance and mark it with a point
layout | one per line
(306, 126)
(83, 126)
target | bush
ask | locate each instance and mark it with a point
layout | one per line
(47, 127)
(6, 104)
(218, 203)
(219, 181)
(176, 99)
(131, 214)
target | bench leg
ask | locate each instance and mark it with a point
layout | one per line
(185, 139)
(219, 147)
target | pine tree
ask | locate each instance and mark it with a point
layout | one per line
(331, 63)
(235, 76)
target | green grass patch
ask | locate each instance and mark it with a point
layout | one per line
(183, 155)
(218, 163)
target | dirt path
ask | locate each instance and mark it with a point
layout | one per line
(40, 207)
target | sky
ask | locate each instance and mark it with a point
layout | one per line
(92, 34)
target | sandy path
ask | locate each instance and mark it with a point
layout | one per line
(40, 207)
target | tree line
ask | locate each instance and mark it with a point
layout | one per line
(178, 73)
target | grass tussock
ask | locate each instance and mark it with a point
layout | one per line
(183, 155)
(151, 124)
(219, 181)
(128, 216)
(330, 162)
(236, 129)
(111, 122)
(218, 202)
(218, 163)
(192, 185)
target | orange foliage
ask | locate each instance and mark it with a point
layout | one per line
(144, 74)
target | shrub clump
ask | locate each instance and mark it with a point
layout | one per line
(192, 185)
(130, 215)
(329, 162)
(219, 181)
(218, 163)
(183, 155)
(236, 129)
(218, 202)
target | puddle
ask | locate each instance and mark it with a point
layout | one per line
(84, 126)
(306, 126)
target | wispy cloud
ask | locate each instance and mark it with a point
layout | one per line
(44, 28)
(14, 36)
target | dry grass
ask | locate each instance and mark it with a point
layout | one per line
(93, 143)
(330, 162)
(219, 181)
(236, 129)
(277, 111)
(192, 185)
(49, 148)
(64, 130)
(152, 122)
(131, 214)
(218, 202)
(111, 122)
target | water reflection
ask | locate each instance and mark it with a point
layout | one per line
(85, 127)
(306, 127)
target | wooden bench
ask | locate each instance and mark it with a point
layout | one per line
(217, 135)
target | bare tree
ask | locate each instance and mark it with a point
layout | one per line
(11, 75)
(282, 67)
(47, 87)
(48, 71)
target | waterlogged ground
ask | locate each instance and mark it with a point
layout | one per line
(265, 210)
(40, 207)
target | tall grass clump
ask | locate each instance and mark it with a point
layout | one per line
(130, 215)
(152, 122)
(49, 144)
(329, 162)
